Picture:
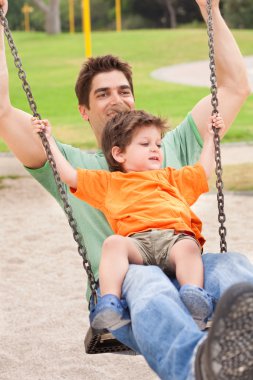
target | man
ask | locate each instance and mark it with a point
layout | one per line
(161, 330)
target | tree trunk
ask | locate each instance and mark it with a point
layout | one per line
(169, 4)
(52, 15)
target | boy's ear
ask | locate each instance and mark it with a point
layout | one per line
(82, 110)
(118, 155)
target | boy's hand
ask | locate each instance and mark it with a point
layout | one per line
(41, 126)
(216, 121)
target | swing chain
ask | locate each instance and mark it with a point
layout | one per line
(214, 102)
(62, 191)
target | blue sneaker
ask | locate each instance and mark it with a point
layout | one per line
(109, 313)
(198, 302)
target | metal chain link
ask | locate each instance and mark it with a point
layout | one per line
(66, 206)
(214, 102)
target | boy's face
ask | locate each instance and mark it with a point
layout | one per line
(144, 152)
(110, 93)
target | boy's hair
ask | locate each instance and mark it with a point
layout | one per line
(94, 66)
(119, 131)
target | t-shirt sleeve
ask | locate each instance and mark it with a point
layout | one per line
(191, 181)
(92, 186)
(76, 157)
(182, 146)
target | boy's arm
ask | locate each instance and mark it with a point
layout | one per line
(232, 80)
(67, 173)
(15, 125)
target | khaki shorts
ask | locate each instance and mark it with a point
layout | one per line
(155, 246)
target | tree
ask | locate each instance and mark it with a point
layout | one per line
(165, 13)
(170, 8)
(238, 13)
(51, 11)
(15, 15)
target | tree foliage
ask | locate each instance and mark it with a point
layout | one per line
(15, 15)
(53, 15)
(239, 13)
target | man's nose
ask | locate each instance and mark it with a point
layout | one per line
(115, 98)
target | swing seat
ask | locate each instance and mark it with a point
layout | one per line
(99, 342)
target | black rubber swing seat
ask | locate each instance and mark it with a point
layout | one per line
(97, 342)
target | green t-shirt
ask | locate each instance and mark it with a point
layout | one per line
(181, 146)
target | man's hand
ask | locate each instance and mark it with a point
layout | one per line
(4, 5)
(202, 3)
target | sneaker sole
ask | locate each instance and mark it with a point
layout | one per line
(229, 348)
(108, 320)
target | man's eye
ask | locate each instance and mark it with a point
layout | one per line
(101, 95)
(126, 92)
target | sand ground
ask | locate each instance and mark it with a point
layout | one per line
(44, 315)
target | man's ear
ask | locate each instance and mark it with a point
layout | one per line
(118, 155)
(83, 112)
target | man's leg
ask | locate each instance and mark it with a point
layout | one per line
(162, 328)
(223, 270)
(227, 353)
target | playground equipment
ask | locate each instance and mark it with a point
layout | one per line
(26, 9)
(103, 341)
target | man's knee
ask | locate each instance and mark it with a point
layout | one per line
(228, 259)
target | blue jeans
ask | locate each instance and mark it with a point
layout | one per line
(162, 330)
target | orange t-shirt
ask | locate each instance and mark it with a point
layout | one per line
(139, 201)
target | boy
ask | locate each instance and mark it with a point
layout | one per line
(147, 207)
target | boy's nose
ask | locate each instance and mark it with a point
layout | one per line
(154, 148)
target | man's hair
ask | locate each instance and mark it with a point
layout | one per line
(94, 66)
(119, 131)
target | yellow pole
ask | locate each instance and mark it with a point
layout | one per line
(27, 10)
(118, 15)
(71, 16)
(87, 27)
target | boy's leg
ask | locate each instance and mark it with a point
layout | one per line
(185, 259)
(117, 253)
(110, 312)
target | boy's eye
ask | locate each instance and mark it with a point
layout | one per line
(144, 144)
(159, 145)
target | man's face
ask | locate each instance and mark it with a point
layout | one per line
(110, 93)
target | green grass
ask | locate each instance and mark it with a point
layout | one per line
(52, 64)
(235, 178)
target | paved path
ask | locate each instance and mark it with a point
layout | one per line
(194, 73)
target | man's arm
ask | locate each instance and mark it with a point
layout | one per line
(15, 125)
(232, 81)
